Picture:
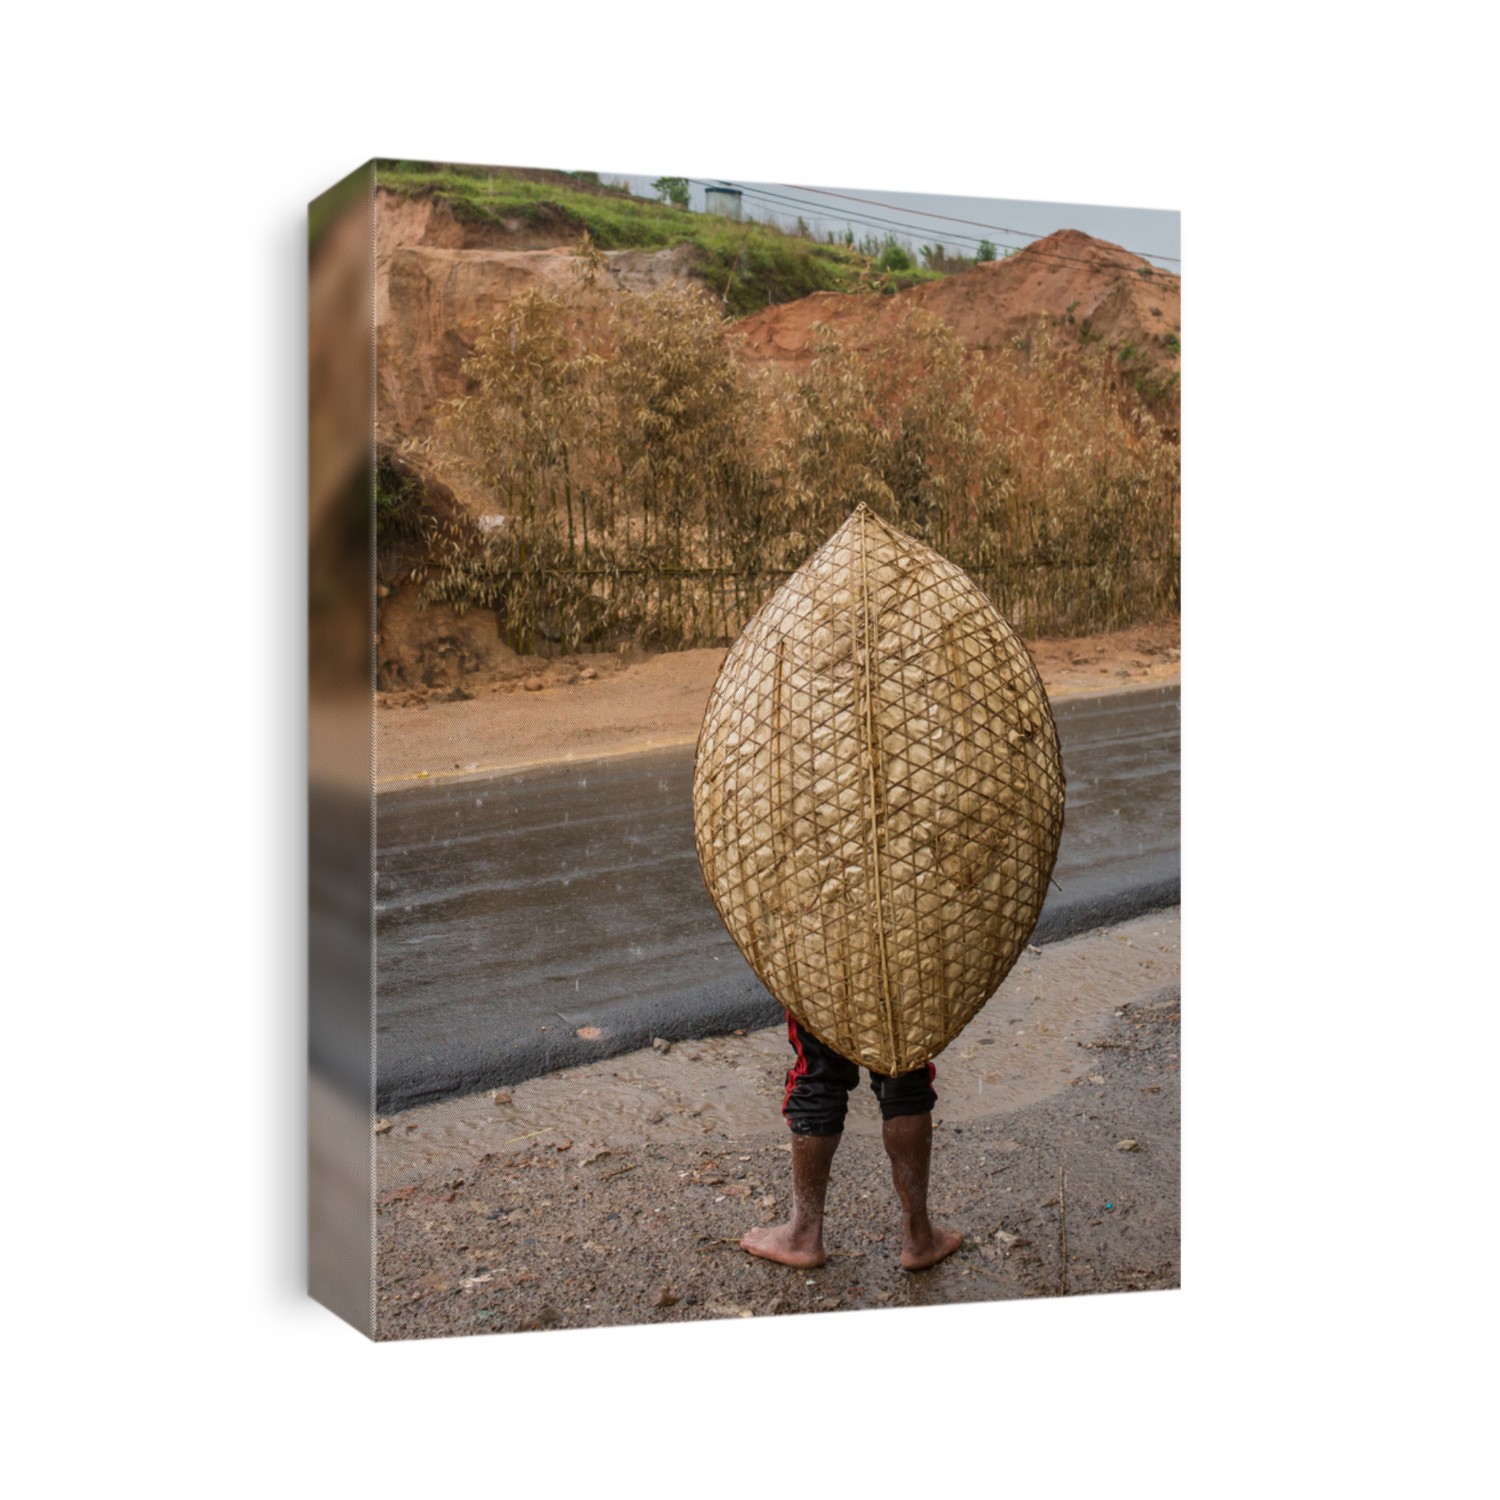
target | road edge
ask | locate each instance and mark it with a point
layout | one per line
(738, 1003)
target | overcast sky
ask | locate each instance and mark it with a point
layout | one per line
(913, 217)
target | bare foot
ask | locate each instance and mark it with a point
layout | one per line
(919, 1253)
(779, 1243)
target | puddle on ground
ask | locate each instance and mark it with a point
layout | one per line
(1021, 1048)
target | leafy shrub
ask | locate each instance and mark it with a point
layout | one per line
(894, 257)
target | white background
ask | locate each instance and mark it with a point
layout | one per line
(1339, 545)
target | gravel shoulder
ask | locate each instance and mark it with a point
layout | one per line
(579, 707)
(615, 1193)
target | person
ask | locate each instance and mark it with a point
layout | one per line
(814, 1104)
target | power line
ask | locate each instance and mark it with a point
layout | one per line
(779, 202)
(865, 221)
(928, 213)
(1054, 255)
(922, 212)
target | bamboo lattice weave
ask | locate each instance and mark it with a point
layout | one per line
(878, 796)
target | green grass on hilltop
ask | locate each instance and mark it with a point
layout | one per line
(751, 264)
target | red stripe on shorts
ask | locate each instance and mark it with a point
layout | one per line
(800, 1068)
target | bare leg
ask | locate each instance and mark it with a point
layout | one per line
(908, 1143)
(799, 1242)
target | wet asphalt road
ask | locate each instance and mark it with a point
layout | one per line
(513, 910)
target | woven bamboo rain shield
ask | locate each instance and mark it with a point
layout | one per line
(878, 796)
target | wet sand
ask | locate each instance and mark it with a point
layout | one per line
(616, 1192)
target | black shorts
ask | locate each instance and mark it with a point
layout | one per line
(818, 1084)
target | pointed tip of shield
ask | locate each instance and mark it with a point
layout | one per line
(862, 515)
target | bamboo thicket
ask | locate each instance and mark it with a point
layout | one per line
(632, 478)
